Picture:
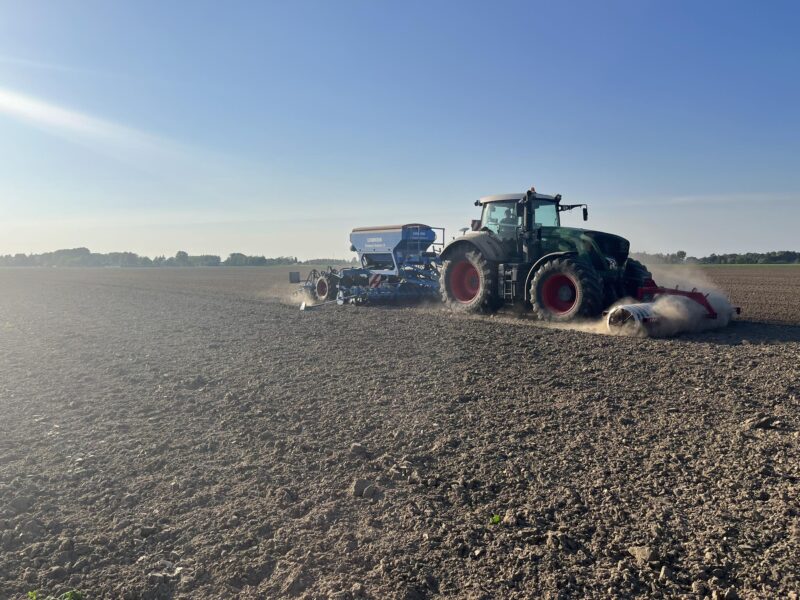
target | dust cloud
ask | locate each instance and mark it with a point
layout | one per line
(678, 314)
(296, 298)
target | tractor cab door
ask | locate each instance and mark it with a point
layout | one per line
(542, 219)
(532, 237)
(505, 220)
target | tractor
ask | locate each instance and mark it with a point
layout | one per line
(518, 254)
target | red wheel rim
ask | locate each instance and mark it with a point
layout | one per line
(322, 288)
(559, 293)
(465, 282)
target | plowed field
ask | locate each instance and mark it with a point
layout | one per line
(173, 433)
(770, 294)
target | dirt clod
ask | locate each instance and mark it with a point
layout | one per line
(56, 573)
(359, 486)
(358, 450)
(642, 554)
(21, 504)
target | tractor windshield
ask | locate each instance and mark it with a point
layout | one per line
(501, 219)
(545, 213)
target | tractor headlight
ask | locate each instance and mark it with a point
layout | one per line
(612, 263)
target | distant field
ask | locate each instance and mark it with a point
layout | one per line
(753, 265)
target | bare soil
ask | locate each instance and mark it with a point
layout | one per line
(769, 293)
(173, 433)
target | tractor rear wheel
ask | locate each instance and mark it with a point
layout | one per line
(467, 282)
(324, 289)
(564, 289)
(635, 276)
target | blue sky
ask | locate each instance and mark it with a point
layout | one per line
(273, 128)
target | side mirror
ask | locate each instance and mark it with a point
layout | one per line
(475, 225)
(585, 213)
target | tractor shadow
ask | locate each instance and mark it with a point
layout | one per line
(745, 333)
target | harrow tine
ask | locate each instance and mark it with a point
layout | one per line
(306, 306)
(340, 301)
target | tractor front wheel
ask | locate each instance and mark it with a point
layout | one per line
(564, 289)
(466, 283)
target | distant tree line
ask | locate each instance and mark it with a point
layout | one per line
(780, 257)
(661, 259)
(83, 257)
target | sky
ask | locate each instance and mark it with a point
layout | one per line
(273, 128)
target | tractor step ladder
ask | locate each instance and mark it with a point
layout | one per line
(509, 282)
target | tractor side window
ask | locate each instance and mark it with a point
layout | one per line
(502, 219)
(545, 214)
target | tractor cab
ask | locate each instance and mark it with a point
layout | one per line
(510, 216)
(505, 214)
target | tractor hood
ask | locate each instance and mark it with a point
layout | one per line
(610, 245)
(595, 244)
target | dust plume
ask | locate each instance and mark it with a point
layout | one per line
(685, 277)
(294, 298)
(678, 314)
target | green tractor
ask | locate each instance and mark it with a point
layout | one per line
(519, 254)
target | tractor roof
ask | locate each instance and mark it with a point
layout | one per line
(499, 197)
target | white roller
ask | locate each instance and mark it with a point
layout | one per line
(634, 316)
